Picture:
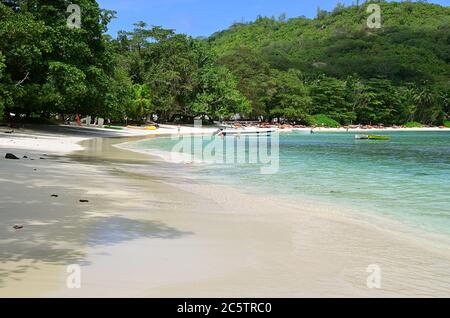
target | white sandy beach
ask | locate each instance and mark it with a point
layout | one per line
(158, 233)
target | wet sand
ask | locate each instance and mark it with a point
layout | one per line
(150, 230)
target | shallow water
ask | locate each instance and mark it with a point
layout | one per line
(407, 178)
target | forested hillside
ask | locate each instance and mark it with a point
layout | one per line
(294, 70)
(395, 74)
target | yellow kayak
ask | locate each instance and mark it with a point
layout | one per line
(142, 128)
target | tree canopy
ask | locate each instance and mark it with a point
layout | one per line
(354, 74)
(292, 70)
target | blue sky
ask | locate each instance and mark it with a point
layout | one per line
(204, 17)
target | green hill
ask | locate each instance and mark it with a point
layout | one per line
(408, 57)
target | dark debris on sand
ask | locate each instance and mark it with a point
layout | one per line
(11, 156)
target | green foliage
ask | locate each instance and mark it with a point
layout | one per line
(51, 69)
(329, 70)
(254, 77)
(429, 106)
(120, 94)
(141, 105)
(2, 92)
(447, 123)
(65, 87)
(176, 76)
(392, 75)
(329, 97)
(218, 95)
(413, 124)
(2, 106)
(290, 98)
(321, 120)
(378, 103)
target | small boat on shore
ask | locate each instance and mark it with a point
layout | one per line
(247, 132)
(372, 137)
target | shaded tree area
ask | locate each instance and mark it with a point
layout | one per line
(49, 68)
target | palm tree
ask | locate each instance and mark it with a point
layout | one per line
(427, 109)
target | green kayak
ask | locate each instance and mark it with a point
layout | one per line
(113, 127)
(375, 137)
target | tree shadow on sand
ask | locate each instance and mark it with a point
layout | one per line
(56, 231)
(48, 243)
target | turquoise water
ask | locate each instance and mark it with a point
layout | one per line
(407, 178)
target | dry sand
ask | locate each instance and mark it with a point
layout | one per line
(150, 230)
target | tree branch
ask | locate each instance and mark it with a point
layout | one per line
(23, 80)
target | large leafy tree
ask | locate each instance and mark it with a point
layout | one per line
(51, 68)
(120, 93)
(290, 99)
(171, 73)
(217, 95)
(132, 47)
(254, 77)
(23, 46)
(329, 97)
(65, 88)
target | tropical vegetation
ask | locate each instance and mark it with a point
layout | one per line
(331, 70)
